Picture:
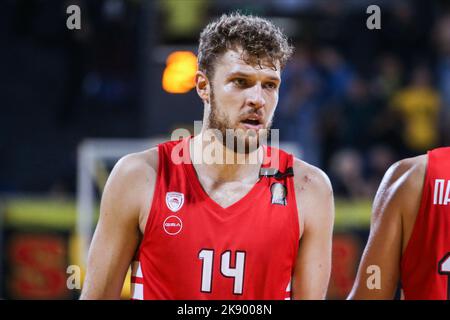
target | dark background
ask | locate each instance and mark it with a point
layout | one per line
(60, 86)
(353, 100)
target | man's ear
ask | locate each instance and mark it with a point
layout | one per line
(202, 85)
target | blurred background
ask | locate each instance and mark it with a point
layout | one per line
(352, 102)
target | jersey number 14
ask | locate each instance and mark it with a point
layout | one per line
(237, 273)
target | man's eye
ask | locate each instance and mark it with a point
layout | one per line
(239, 82)
(271, 85)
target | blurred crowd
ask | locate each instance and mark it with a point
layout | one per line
(356, 117)
(355, 100)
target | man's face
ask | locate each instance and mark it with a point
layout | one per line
(244, 95)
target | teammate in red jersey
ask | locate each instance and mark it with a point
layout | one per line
(212, 230)
(410, 235)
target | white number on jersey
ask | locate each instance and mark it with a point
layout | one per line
(207, 255)
(444, 269)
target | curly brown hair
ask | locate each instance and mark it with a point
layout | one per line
(257, 37)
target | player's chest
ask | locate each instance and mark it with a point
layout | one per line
(227, 194)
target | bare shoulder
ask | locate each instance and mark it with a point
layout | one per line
(138, 163)
(135, 173)
(404, 176)
(401, 187)
(314, 195)
(406, 171)
(311, 180)
(131, 184)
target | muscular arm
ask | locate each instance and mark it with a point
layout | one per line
(394, 209)
(316, 210)
(116, 238)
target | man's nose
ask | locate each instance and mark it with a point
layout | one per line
(256, 99)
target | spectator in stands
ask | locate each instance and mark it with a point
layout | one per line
(418, 106)
(299, 106)
(346, 174)
(442, 32)
(359, 109)
(386, 82)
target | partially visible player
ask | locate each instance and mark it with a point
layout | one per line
(410, 232)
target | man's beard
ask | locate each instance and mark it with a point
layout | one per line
(237, 140)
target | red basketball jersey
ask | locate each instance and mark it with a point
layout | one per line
(425, 266)
(193, 248)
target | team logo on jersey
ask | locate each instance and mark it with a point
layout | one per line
(174, 200)
(278, 192)
(172, 225)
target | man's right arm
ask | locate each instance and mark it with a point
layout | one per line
(125, 203)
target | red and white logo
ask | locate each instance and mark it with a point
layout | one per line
(172, 225)
(174, 200)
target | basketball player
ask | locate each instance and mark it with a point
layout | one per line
(202, 230)
(410, 232)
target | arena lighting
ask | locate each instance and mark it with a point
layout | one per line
(179, 74)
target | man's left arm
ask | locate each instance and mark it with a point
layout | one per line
(315, 204)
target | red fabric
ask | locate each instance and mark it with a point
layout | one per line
(422, 267)
(262, 235)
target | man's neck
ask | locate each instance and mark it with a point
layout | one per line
(224, 164)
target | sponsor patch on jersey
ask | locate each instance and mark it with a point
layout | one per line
(278, 191)
(172, 225)
(174, 201)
